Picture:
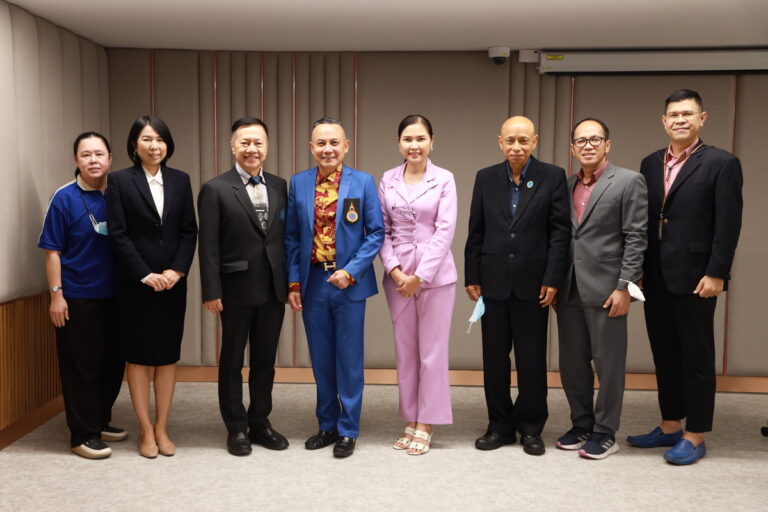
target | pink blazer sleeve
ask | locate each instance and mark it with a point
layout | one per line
(445, 227)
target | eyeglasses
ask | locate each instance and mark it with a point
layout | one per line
(685, 114)
(593, 141)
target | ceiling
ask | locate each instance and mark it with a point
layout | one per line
(402, 25)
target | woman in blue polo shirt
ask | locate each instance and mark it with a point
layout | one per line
(80, 270)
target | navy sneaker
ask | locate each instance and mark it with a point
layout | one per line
(599, 446)
(684, 453)
(655, 438)
(573, 439)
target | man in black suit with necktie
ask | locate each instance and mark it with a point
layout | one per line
(516, 258)
(242, 269)
(694, 221)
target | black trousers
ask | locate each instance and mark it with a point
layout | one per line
(519, 325)
(259, 325)
(90, 366)
(681, 332)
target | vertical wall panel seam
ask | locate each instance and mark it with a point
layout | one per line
(293, 171)
(570, 121)
(261, 85)
(152, 85)
(357, 60)
(734, 102)
(216, 172)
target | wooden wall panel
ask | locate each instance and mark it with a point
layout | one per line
(29, 374)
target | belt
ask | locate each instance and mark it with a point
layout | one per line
(325, 265)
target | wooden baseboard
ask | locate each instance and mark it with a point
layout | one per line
(30, 422)
(635, 381)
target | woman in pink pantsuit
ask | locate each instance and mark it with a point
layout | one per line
(418, 200)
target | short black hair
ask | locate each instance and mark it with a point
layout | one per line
(162, 130)
(602, 124)
(249, 121)
(88, 135)
(326, 120)
(414, 119)
(682, 95)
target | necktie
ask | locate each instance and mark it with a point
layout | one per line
(258, 201)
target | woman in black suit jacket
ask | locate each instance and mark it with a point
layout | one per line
(152, 226)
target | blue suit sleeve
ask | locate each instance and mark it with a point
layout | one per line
(373, 231)
(292, 241)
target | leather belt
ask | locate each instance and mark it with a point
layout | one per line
(325, 265)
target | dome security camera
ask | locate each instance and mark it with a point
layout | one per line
(498, 54)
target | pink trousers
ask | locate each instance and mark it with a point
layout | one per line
(422, 326)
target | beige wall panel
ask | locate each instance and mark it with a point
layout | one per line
(28, 201)
(9, 258)
(547, 126)
(177, 102)
(347, 107)
(271, 101)
(89, 70)
(56, 153)
(747, 349)
(209, 324)
(302, 118)
(223, 100)
(284, 126)
(532, 98)
(239, 86)
(317, 80)
(636, 130)
(129, 97)
(517, 73)
(562, 155)
(253, 80)
(72, 80)
(332, 85)
(466, 97)
(103, 78)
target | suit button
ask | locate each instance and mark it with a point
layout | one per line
(157, 225)
(576, 238)
(511, 235)
(511, 256)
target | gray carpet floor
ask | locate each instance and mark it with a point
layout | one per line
(38, 473)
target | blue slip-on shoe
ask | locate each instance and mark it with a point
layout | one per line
(655, 438)
(684, 453)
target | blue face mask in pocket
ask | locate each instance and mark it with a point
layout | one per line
(477, 313)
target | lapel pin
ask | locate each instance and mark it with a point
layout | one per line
(529, 184)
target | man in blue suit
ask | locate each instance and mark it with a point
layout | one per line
(334, 230)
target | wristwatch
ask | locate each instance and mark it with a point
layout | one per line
(55, 289)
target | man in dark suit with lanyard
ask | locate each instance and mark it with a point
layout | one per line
(515, 259)
(694, 220)
(242, 258)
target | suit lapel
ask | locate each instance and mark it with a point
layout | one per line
(309, 197)
(572, 182)
(169, 190)
(238, 188)
(526, 193)
(272, 199)
(600, 187)
(428, 182)
(399, 186)
(344, 186)
(140, 181)
(693, 163)
(501, 184)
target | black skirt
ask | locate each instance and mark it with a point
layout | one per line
(151, 323)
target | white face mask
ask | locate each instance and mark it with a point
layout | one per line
(477, 312)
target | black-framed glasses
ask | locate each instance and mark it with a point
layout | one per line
(592, 141)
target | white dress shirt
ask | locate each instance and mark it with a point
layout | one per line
(156, 188)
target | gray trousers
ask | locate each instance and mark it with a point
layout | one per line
(587, 334)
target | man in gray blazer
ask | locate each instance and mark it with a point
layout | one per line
(609, 215)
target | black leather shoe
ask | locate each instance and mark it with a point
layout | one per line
(268, 438)
(238, 444)
(322, 439)
(532, 444)
(345, 447)
(492, 440)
